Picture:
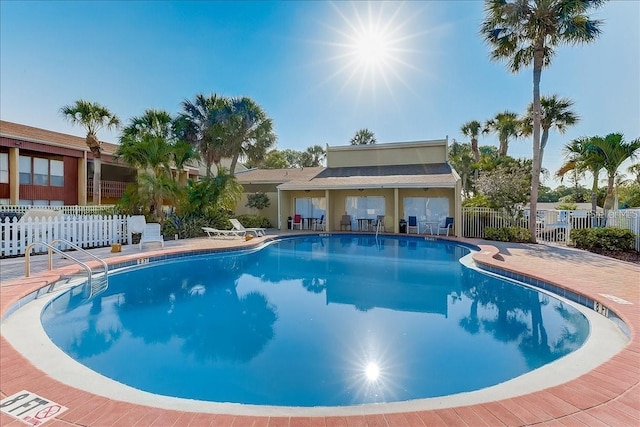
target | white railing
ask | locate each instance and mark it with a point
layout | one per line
(67, 210)
(86, 231)
(553, 226)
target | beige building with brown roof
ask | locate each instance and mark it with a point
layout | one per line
(391, 181)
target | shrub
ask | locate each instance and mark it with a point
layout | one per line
(254, 221)
(188, 226)
(507, 234)
(607, 238)
(258, 201)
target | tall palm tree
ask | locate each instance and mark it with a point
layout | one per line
(556, 112)
(615, 151)
(363, 137)
(245, 130)
(200, 124)
(506, 125)
(582, 156)
(147, 144)
(526, 32)
(92, 117)
(471, 130)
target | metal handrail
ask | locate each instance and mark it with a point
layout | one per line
(66, 242)
(27, 257)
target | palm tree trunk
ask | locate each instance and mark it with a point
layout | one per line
(543, 143)
(537, 159)
(608, 201)
(97, 180)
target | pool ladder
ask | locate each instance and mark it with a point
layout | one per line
(96, 282)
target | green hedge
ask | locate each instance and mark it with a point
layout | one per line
(254, 221)
(607, 238)
(507, 234)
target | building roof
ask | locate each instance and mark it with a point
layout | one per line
(390, 176)
(277, 176)
(47, 137)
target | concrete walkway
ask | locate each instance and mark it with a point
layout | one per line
(609, 395)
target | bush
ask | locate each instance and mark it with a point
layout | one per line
(254, 221)
(188, 226)
(507, 234)
(607, 238)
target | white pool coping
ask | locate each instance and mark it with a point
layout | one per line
(23, 330)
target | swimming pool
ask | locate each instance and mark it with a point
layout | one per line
(324, 321)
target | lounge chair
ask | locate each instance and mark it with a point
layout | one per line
(258, 232)
(214, 233)
(151, 233)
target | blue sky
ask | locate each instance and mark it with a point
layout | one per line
(303, 62)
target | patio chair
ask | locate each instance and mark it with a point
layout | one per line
(151, 233)
(319, 224)
(413, 223)
(448, 225)
(297, 222)
(257, 231)
(345, 222)
(214, 233)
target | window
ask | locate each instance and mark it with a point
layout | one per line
(25, 170)
(57, 173)
(311, 207)
(4, 167)
(365, 207)
(434, 209)
(40, 203)
(40, 171)
(56, 202)
(45, 171)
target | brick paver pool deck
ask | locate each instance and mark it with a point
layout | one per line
(608, 395)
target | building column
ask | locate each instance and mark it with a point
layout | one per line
(14, 175)
(396, 211)
(327, 215)
(82, 180)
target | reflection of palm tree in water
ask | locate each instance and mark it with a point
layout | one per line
(204, 311)
(314, 284)
(92, 340)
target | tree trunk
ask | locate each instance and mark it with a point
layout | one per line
(608, 201)
(543, 143)
(97, 180)
(537, 160)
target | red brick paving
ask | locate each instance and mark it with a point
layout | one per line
(607, 396)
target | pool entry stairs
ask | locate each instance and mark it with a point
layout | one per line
(97, 281)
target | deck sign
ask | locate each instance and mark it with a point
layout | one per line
(30, 408)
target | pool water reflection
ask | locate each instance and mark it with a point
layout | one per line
(315, 321)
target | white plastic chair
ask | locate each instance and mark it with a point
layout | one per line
(151, 233)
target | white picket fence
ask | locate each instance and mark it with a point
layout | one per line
(86, 231)
(67, 210)
(554, 226)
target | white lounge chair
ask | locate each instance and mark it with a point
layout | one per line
(151, 233)
(238, 226)
(214, 233)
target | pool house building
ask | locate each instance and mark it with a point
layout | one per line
(361, 184)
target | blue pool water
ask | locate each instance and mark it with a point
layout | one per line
(315, 321)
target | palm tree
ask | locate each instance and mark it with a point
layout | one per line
(245, 130)
(471, 130)
(506, 125)
(313, 156)
(615, 151)
(461, 158)
(363, 137)
(93, 117)
(525, 32)
(200, 124)
(581, 156)
(148, 144)
(635, 169)
(556, 112)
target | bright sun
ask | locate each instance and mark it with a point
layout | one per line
(371, 44)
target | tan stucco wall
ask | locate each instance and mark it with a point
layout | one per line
(388, 154)
(270, 212)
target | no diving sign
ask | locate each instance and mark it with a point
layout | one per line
(30, 408)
